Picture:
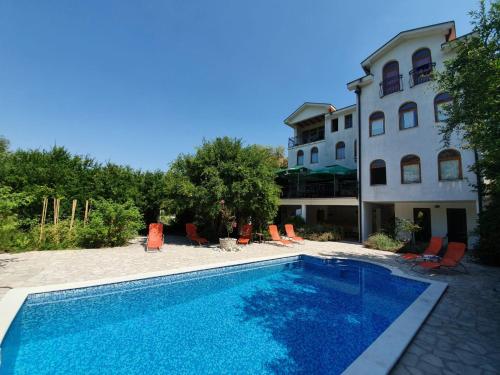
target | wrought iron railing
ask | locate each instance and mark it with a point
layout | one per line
(421, 74)
(321, 190)
(297, 141)
(390, 85)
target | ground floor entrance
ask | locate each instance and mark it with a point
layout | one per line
(455, 221)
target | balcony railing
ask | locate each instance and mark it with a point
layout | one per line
(390, 85)
(421, 74)
(297, 141)
(321, 190)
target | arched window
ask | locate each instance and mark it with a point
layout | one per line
(408, 117)
(314, 155)
(340, 151)
(410, 169)
(449, 165)
(422, 66)
(377, 172)
(300, 157)
(390, 78)
(440, 102)
(377, 123)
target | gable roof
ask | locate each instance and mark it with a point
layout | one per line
(322, 108)
(447, 28)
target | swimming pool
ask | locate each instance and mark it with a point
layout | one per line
(289, 315)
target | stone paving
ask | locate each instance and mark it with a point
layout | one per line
(462, 336)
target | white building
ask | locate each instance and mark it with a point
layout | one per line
(402, 166)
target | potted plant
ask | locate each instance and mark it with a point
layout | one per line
(229, 222)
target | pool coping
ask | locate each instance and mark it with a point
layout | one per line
(378, 358)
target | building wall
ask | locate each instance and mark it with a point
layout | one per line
(423, 140)
(326, 147)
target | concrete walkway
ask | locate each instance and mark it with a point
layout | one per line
(462, 336)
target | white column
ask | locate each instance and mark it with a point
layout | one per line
(303, 211)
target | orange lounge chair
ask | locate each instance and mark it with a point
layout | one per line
(275, 236)
(434, 247)
(155, 236)
(192, 234)
(290, 233)
(451, 259)
(245, 235)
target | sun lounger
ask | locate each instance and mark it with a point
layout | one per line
(276, 238)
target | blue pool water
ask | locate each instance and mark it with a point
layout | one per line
(296, 315)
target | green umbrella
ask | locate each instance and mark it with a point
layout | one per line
(331, 171)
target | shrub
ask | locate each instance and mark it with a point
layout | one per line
(297, 221)
(323, 233)
(381, 241)
(110, 224)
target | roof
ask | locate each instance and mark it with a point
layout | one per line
(446, 27)
(322, 108)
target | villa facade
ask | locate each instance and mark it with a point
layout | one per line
(364, 165)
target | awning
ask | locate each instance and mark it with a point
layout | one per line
(332, 170)
(292, 171)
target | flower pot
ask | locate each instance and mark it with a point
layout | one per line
(228, 244)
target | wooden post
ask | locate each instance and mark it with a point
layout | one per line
(73, 209)
(86, 215)
(45, 204)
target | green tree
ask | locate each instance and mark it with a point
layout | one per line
(472, 78)
(224, 169)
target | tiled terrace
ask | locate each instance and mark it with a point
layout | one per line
(462, 336)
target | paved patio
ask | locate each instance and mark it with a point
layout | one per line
(462, 336)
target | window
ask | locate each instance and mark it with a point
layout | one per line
(340, 151)
(390, 78)
(348, 121)
(410, 169)
(355, 150)
(422, 66)
(314, 155)
(300, 157)
(377, 172)
(377, 124)
(408, 117)
(335, 125)
(449, 165)
(440, 102)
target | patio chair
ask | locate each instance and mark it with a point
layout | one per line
(434, 247)
(155, 236)
(290, 233)
(276, 238)
(192, 235)
(245, 235)
(451, 259)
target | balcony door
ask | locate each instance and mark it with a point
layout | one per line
(457, 224)
(390, 74)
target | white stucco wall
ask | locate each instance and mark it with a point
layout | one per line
(326, 147)
(423, 141)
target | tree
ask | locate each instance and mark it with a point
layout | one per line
(224, 170)
(472, 78)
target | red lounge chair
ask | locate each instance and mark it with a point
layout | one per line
(245, 235)
(275, 236)
(451, 259)
(192, 234)
(155, 236)
(434, 247)
(290, 232)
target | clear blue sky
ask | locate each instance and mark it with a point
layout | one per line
(138, 82)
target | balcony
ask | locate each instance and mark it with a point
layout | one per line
(390, 85)
(421, 74)
(347, 188)
(301, 140)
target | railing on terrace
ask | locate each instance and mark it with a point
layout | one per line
(390, 85)
(421, 74)
(320, 190)
(297, 141)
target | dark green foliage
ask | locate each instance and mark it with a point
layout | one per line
(381, 241)
(322, 232)
(224, 169)
(110, 224)
(472, 78)
(297, 221)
